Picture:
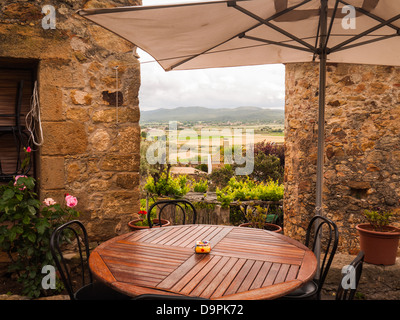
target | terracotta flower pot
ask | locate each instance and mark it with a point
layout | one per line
(133, 226)
(379, 247)
(267, 226)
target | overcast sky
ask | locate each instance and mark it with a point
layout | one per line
(258, 86)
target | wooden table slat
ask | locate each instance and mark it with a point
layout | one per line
(192, 262)
(146, 234)
(221, 289)
(237, 281)
(262, 274)
(171, 233)
(191, 239)
(273, 272)
(203, 272)
(270, 292)
(281, 276)
(251, 276)
(255, 256)
(292, 252)
(219, 278)
(209, 277)
(292, 273)
(98, 267)
(144, 265)
(144, 256)
(182, 233)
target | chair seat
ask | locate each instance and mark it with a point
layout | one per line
(307, 291)
(99, 291)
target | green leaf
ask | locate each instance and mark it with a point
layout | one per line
(42, 225)
(12, 235)
(32, 210)
(26, 220)
(8, 194)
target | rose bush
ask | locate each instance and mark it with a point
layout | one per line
(26, 225)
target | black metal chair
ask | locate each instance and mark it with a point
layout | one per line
(326, 230)
(353, 273)
(89, 290)
(162, 204)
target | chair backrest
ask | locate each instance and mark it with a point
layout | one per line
(322, 237)
(351, 278)
(71, 230)
(180, 203)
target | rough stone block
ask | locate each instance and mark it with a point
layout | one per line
(64, 138)
(52, 173)
(115, 162)
(51, 106)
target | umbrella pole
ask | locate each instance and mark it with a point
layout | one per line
(321, 125)
(321, 135)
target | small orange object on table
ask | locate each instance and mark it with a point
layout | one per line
(203, 247)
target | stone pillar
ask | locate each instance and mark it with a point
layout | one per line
(362, 145)
(89, 80)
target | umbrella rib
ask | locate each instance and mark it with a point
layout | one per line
(282, 44)
(366, 42)
(331, 24)
(369, 14)
(272, 26)
(233, 4)
(365, 33)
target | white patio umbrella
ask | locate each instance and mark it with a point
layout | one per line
(241, 33)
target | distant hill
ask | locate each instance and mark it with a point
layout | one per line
(194, 114)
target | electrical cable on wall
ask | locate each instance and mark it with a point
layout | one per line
(116, 95)
(116, 100)
(32, 119)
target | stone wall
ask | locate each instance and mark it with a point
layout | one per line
(362, 145)
(91, 141)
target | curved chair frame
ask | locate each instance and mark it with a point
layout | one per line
(348, 293)
(330, 247)
(165, 203)
(89, 290)
(312, 289)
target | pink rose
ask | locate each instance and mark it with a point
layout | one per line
(16, 178)
(71, 201)
(28, 149)
(49, 201)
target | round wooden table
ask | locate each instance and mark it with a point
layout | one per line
(244, 263)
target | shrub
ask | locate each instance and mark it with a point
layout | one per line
(243, 190)
(200, 186)
(26, 229)
(167, 186)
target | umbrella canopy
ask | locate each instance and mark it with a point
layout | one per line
(241, 33)
(238, 33)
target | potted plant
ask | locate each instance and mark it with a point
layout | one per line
(378, 239)
(257, 218)
(143, 223)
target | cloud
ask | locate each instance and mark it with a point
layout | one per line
(259, 86)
